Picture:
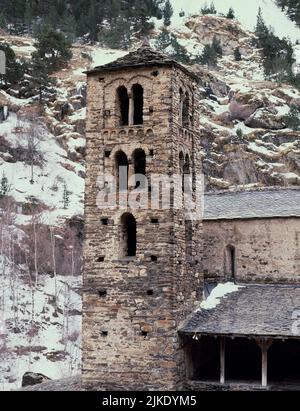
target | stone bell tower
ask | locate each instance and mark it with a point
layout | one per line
(142, 274)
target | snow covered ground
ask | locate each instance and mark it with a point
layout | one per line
(37, 334)
(49, 179)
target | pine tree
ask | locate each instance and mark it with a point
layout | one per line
(237, 54)
(93, 21)
(68, 26)
(163, 41)
(4, 186)
(208, 9)
(216, 45)
(209, 56)
(15, 69)
(167, 13)
(261, 30)
(66, 197)
(40, 81)
(230, 14)
(54, 48)
(2, 21)
(180, 54)
(28, 16)
(292, 120)
(239, 133)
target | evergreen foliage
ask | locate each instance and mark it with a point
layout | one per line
(208, 9)
(4, 186)
(211, 53)
(292, 9)
(168, 13)
(53, 48)
(230, 14)
(277, 53)
(292, 120)
(15, 68)
(237, 54)
(167, 43)
(85, 18)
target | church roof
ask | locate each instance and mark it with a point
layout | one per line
(144, 56)
(270, 203)
(252, 311)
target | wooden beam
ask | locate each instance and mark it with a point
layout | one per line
(264, 346)
(264, 367)
(222, 360)
(131, 110)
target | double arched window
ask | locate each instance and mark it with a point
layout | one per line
(122, 165)
(130, 106)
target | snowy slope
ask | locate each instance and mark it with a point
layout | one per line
(34, 337)
(246, 12)
(49, 179)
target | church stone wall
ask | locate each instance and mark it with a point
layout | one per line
(266, 250)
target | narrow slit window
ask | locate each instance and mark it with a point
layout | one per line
(230, 262)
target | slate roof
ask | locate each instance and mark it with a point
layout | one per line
(252, 204)
(144, 56)
(254, 310)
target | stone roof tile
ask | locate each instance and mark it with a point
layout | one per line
(253, 310)
(144, 56)
(252, 204)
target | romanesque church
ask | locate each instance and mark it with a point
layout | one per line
(150, 320)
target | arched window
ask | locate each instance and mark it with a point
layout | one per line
(230, 262)
(181, 168)
(186, 171)
(181, 161)
(139, 162)
(128, 235)
(181, 94)
(186, 168)
(138, 104)
(186, 110)
(123, 105)
(121, 165)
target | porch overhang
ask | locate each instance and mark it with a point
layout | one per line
(252, 311)
(268, 316)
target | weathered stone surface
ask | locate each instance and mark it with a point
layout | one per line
(31, 378)
(263, 118)
(267, 250)
(68, 384)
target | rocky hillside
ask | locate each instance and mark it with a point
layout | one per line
(246, 143)
(245, 139)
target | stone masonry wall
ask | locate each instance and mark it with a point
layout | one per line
(133, 307)
(267, 250)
